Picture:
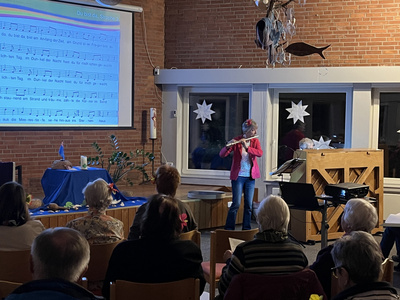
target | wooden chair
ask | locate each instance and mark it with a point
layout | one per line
(7, 287)
(387, 271)
(219, 243)
(15, 266)
(99, 257)
(193, 235)
(186, 289)
(299, 285)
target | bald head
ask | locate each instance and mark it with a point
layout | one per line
(60, 253)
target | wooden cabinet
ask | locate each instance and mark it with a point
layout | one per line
(332, 166)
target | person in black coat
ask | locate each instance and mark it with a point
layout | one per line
(159, 255)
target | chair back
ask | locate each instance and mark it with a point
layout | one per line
(186, 289)
(296, 286)
(387, 271)
(193, 235)
(219, 243)
(15, 266)
(99, 257)
(7, 287)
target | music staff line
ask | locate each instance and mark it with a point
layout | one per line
(57, 73)
(58, 32)
(40, 92)
(60, 113)
(58, 53)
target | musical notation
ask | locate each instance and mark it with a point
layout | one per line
(60, 113)
(69, 94)
(57, 73)
(59, 32)
(58, 53)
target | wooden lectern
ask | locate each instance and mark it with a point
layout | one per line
(332, 166)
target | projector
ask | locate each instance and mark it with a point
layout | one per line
(346, 190)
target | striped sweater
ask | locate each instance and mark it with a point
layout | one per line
(271, 252)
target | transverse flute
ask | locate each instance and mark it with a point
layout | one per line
(239, 141)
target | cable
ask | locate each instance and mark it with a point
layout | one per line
(145, 40)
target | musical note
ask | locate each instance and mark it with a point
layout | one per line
(48, 73)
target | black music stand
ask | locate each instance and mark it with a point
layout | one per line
(302, 196)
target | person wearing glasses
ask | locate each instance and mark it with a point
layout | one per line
(358, 260)
(358, 214)
(244, 172)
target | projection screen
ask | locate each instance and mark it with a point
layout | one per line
(65, 65)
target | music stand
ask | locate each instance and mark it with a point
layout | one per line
(288, 166)
(302, 196)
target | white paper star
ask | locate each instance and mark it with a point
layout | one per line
(321, 144)
(297, 112)
(204, 111)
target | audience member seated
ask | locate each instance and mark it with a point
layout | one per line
(96, 226)
(358, 214)
(389, 237)
(17, 229)
(59, 257)
(167, 180)
(271, 251)
(358, 259)
(159, 255)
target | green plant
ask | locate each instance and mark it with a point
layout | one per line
(120, 163)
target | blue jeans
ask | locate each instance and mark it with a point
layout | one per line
(246, 185)
(389, 237)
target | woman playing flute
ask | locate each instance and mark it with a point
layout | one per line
(244, 171)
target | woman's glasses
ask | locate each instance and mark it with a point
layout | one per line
(333, 270)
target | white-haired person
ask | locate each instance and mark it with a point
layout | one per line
(59, 258)
(358, 215)
(306, 143)
(244, 172)
(357, 265)
(96, 226)
(271, 251)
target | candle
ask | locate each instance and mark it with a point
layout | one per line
(153, 123)
(83, 162)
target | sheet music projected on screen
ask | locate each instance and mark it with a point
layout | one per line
(63, 65)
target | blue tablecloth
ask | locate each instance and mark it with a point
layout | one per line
(62, 186)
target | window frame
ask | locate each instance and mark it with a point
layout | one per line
(390, 183)
(274, 137)
(185, 91)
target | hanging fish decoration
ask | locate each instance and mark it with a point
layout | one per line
(303, 49)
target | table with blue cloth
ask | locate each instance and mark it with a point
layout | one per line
(62, 186)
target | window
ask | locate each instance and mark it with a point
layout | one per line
(389, 132)
(326, 120)
(205, 139)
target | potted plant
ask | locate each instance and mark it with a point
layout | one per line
(120, 163)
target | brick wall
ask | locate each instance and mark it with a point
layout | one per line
(36, 150)
(220, 34)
